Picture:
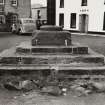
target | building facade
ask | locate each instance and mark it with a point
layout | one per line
(81, 15)
(11, 10)
(39, 13)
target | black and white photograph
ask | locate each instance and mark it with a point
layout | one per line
(52, 52)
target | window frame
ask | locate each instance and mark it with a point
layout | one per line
(61, 4)
(84, 3)
(61, 16)
(14, 3)
(73, 17)
(14, 19)
(2, 3)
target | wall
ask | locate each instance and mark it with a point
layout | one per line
(23, 8)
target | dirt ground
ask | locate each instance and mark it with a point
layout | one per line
(34, 98)
(7, 40)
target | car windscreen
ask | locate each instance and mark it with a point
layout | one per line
(28, 21)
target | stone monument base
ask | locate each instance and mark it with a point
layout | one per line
(23, 57)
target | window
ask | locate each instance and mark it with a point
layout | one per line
(104, 22)
(14, 2)
(38, 14)
(1, 9)
(84, 3)
(73, 20)
(61, 19)
(2, 19)
(14, 19)
(1, 2)
(61, 3)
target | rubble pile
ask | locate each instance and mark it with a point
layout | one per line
(54, 86)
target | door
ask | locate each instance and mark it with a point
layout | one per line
(83, 23)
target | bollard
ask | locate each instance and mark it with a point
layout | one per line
(66, 43)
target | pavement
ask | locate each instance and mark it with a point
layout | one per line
(88, 34)
(73, 33)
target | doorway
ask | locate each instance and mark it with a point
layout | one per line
(83, 23)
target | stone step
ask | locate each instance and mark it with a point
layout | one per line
(10, 56)
(52, 50)
(64, 68)
(21, 60)
(27, 48)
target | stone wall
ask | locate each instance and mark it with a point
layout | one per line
(23, 8)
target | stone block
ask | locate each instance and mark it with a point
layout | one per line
(9, 60)
(93, 59)
(51, 38)
(82, 50)
(23, 50)
(47, 49)
(75, 51)
(51, 28)
(51, 50)
(29, 60)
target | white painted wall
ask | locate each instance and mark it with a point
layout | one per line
(43, 13)
(95, 10)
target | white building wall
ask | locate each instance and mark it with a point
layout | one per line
(95, 10)
(96, 15)
(43, 13)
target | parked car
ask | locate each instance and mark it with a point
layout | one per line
(40, 22)
(25, 25)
